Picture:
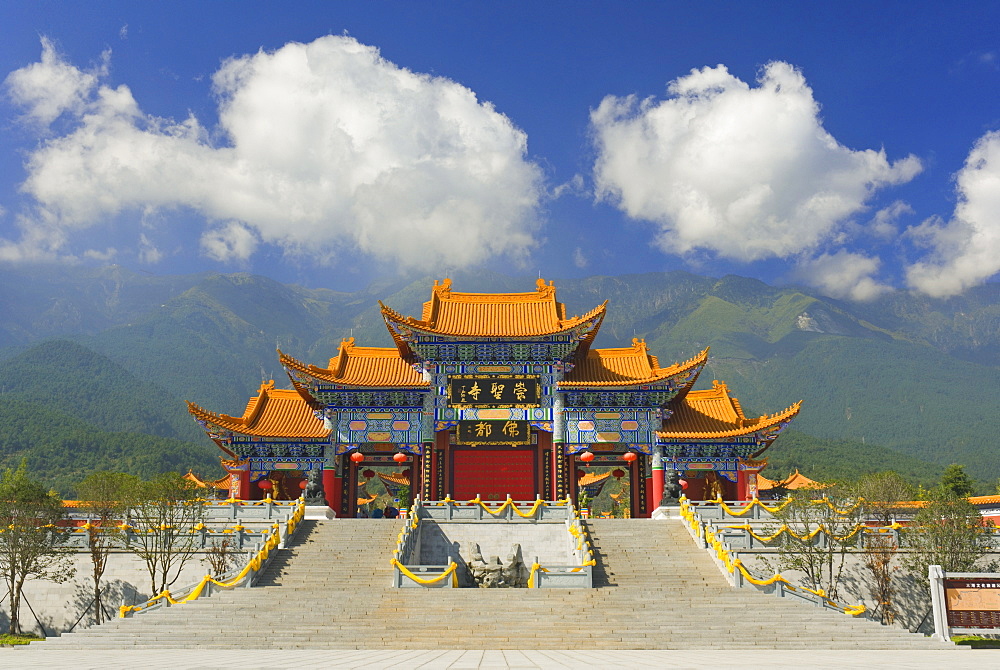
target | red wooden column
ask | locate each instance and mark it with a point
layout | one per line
(746, 483)
(239, 482)
(333, 488)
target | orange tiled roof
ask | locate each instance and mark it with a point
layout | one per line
(713, 413)
(221, 484)
(361, 366)
(494, 314)
(591, 478)
(271, 413)
(626, 366)
(985, 500)
(794, 481)
(394, 477)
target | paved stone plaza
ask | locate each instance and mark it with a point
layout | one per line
(37, 656)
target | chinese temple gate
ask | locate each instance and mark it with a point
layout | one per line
(493, 395)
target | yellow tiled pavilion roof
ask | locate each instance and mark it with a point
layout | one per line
(394, 478)
(626, 366)
(713, 413)
(361, 366)
(221, 484)
(792, 482)
(494, 314)
(590, 478)
(271, 413)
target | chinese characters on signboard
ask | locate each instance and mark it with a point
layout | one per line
(972, 603)
(493, 431)
(497, 391)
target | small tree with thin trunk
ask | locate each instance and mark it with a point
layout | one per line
(882, 495)
(821, 560)
(106, 496)
(29, 545)
(948, 531)
(163, 517)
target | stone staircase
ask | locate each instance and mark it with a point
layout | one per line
(655, 590)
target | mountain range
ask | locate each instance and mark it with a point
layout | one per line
(109, 355)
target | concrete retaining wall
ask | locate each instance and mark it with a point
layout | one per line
(57, 607)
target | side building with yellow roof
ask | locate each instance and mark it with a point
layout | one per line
(492, 395)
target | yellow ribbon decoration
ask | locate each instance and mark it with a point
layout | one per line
(808, 536)
(732, 565)
(535, 567)
(508, 502)
(451, 571)
(777, 508)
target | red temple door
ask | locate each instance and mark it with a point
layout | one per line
(493, 474)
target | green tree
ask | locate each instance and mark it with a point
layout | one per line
(105, 496)
(949, 532)
(29, 545)
(165, 510)
(955, 482)
(881, 494)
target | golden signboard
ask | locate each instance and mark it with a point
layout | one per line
(495, 391)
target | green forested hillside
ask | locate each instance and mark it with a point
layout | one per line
(49, 301)
(844, 460)
(61, 449)
(68, 378)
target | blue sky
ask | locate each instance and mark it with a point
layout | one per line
(851, 147)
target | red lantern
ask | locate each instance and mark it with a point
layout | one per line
(399, 457)
(587, 457)
(303, 484)
(368, 474)
(683, 483)
(580, 474)
(618, 473)
(630, 457)
(357, 457)
(265, 484)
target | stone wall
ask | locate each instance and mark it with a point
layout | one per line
(59, 607)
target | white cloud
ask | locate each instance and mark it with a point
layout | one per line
(884, 223)
(966, 249)
(329, 149)
(844, 274)
(746, 173)
(580, 259)
(230, 241)
(104, 256)
(149, 253)
(40, 242)
(51, 87)
(574, 186)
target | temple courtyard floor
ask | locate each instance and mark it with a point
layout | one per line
(36, 656)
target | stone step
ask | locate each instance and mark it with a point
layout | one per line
(329, 589)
